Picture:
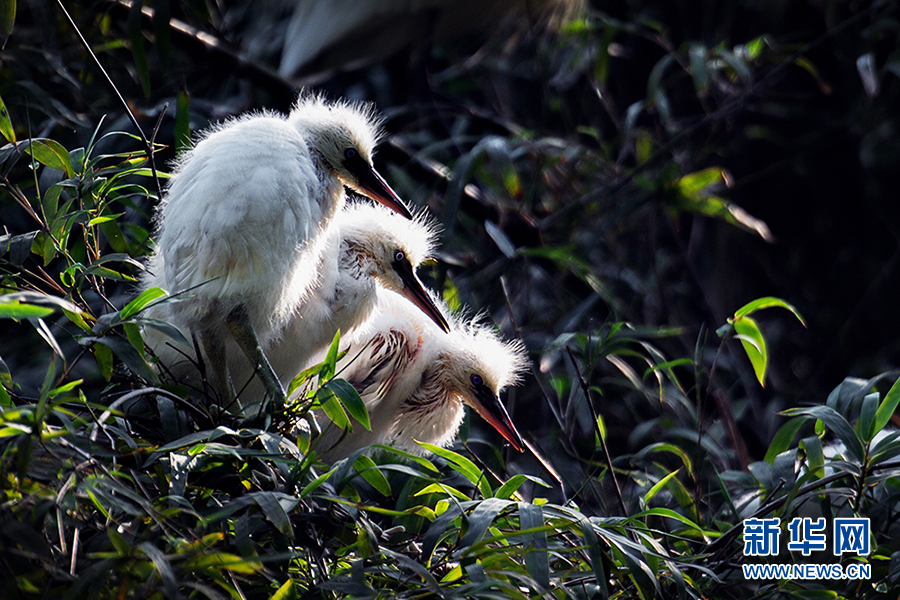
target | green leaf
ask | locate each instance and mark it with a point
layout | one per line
(866, 423)
(6, 128)
(330, 361)
(104, 219)
(118, 542)
(658, 486)
(815, 455)
(274, 512)
(129, 355)
(463, 466)
(104, 357)
(754, 345)
(513, 483)
(369, 471)
(333, 408)
(481, 518)
(351, 400)
(17, 310)
(767, 302)
(136, 305)
(285, 592)
(783, 438)
(537, 562)
(836, 423)
(888, 406)
(316, 483)
(51, 154)
(218, 561)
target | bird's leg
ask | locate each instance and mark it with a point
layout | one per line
(214, 348)
(242, 330)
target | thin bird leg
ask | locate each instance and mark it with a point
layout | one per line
(242, 330)
(214, 348)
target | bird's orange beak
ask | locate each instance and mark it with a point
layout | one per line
(488, 405)
(373, 185)
(415, 292)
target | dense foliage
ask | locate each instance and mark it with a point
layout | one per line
(686, 211)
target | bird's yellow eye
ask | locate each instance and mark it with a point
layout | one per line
(350, 153)
(399, 256)
(477, 381)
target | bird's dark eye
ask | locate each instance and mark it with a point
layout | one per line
(350, 153)
(477, 381)
(399, 256)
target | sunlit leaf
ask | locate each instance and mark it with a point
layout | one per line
(6, 127)
(50, 153)
(754, 345)
(351, 400)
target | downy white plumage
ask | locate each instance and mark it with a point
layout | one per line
(415, 380)
(241, 226)
(366, 247)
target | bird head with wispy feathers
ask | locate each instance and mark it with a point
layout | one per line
(392, 248)
(344, 134)
(476, 365)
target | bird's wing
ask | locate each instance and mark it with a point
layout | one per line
(241, 212)
(383, 359)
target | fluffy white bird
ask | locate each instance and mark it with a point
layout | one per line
(241, 224)
(367, 248)
(415, 380)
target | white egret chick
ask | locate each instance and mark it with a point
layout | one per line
(241, 224)
(415, 380)
(367, 247)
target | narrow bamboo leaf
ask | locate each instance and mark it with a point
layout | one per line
(285, 592)
(163, 568)
(333, 408)
(463, 466)
(218, 561)
(275, 513)
(512, 485)
(815, 455)
(136, 305)
(104, 219)
(133, 359)
(658, 486)
(16, 311)
(767, 302)
(50, 153)
(866, 423)
(481, 518)
(537, 561)
(754, 345)
(888, 406)
(118, 542)
(369, 471)
(6, 127)
(330, 361)
(103, 356)
(316, 483)
(351, 400)
(783, 438)
(443, 489)
(836, 423)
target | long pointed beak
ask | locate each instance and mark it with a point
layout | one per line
(373, 185)
(415, 292)
(488, 405)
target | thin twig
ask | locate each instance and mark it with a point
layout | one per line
(148, 146)
(587, 394)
